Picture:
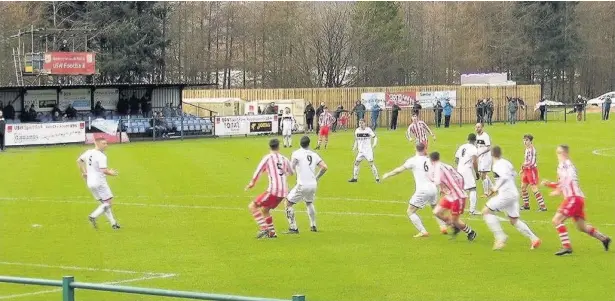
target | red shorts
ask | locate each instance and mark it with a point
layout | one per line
(324, 131)
(530, 176)
(456, 206)
(268, 200)
(573, 207)
(343, 121)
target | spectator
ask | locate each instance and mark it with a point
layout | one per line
(158, 125)
(480, 111)
(416, 108)
(2, 128)
(9, 111)
(337, 114)
(579, 106)
(270, 109)
(375, 113)
(448, 111)
(542, 106)
(359, 110)
(394, 114)
(123, 107)
(513, 107)
(280, 113)
(489, 108)
(134, 104)
(343, 121)
(606, 108)
(56, 113)
(167, 111)
(99, 111)
(259, 110)
(437, 109)
(146, 107)
(309, 117)
(319, 111)
(178, 112)
(32, 114)
(70, 112)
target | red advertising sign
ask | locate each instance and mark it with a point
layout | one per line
(402, 99)
(70, 63)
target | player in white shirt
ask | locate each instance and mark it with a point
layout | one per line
(425, 190)
(287, 127)
(506, 199)
(466, 158)
(304, 162)
(363, 144)
(93, 166)
(483, 143)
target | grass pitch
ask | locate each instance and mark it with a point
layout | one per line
(185, 224)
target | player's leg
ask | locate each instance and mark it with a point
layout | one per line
(593, 232)
(355, 168)
(294, 196)
(417, 202)
(433, 202)
(456, 211)
(99, 210)
(326, 136)
(511, 208)
(269, 220)
(372, 166)
(439, 211)
(319, 140)
(558, 222)
(539, 198)
(106, 195)
(309, 194)
(494, 225)
(473, 201)
(257, 212)
(525, 196)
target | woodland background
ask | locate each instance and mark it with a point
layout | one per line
(567, 47)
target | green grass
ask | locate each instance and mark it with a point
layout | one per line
(183, 212)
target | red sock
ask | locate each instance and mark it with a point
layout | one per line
(526, 198)
(540, 199)
(563, 235)
(258, 217)
(595, 233)
(269, 223)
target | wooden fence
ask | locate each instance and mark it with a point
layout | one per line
(347, 97)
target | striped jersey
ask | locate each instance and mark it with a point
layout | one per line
(326, 119)
(568, 181)
(529, 160)
(278, 168)
(418, 130)
(449, 180)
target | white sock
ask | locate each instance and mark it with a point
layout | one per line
(416, 221)
(109, 216)
(473, 200)
(525, 230)
(494, 225)
(311, 213)
(98, 211)
(290, 141)
(486, 185)
(374, 170)
(290, 216)
(355, 171)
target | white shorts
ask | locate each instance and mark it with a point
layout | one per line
(505, 202)
(301, 193)
(287, 131)
(420, 198)
(485, 162)
(469, 180)
(369, 156)
(101, 192)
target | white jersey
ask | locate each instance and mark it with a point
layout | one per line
(287, 121)
(305, 161)
(464, 154)
(363, 138)
(420, 169)
(95, 160)
(504, 174)
(483, 141)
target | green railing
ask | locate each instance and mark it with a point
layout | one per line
(69, 285)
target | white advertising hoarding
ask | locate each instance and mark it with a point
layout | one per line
(428, 99)
(43, 100)
(81, 99)
(44, 133)
(245, 125)
(369, 100)
(108, 98)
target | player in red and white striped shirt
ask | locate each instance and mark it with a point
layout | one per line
(450, 183)
(325, 121)
(419, 130)
(278, 168)
(573, 204)
(529, 175)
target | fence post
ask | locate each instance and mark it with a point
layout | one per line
(298, 298)
(68, 293)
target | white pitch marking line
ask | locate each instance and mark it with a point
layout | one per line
(241, 209)
(156, 276)
(76, 268)
(599, 152)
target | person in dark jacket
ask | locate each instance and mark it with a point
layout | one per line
(394, 114)
(146, 106)
(480, 111)
(337, 114)
(416, 108)
(489, 107)
(9, 111)
(309, 117)
(70, 112)
(56, 113)
(359, 109)
(606, 108)
(123, 107)
(319, 111)
(134, 104)
(32, 114)
(2, 128)
(437, 109)
(99, 111)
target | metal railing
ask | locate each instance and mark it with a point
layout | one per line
(69, 285)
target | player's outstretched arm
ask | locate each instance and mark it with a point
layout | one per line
(394, 172)
(109, 171)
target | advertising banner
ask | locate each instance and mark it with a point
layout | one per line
(108, 98)
(245, 125)
(43, 100)
(370, 99)
(428, 99)
(69, 63)
(402, 99)
(81, 99)
(106, 126)
(44, 133)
